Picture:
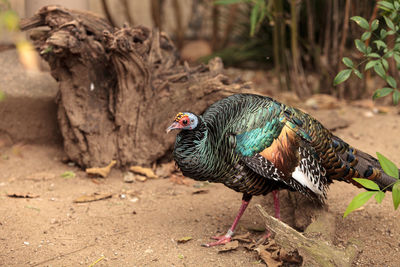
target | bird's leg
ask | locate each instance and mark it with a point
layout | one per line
(275, 194)
(277, 207)
(227, 237)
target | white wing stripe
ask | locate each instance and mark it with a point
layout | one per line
(306, 179)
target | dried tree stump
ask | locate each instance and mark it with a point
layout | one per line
(119, 88)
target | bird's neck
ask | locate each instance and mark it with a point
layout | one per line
(192, 151)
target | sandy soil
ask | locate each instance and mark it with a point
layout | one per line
(142, 228)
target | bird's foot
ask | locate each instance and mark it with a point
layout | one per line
(221, 240)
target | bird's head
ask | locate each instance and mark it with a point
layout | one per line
(184, 121)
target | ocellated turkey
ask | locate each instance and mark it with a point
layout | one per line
(256, 145)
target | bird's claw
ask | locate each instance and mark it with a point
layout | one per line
(221, 240)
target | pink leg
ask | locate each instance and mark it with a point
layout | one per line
(227, 237)
(275, 193)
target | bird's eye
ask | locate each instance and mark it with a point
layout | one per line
(184, 122)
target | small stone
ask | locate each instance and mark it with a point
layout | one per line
(148, 251)
(129, 177)
(26, 243)
(134, 199)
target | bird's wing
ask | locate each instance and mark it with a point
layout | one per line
(280, 149)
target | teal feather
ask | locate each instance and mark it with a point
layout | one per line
(256, 140)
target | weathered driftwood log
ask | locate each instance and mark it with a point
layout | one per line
(119, 88)
(315, 251)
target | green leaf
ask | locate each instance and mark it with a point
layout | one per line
(365, 36)
(359, 74)
(374, 24)
(342, 76)
(396, 5)
(254, 18)
(396, 97)
(378, 68)
(385, 64)
(2, 95)
(388, 54)
(360, 46)
(348, 62)
(386, 4)
(391, 32)
(375, 55)
(388, 167)
(391, 81)
(363, 23)
(383, 34)
(396, 57)
(389, 23)
(68, 174)
(396, 195)
(367, 183)
(379, 44)
(358, 201)
(379, 196)
(382, 92)
(371, 64)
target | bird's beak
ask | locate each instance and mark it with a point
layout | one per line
(174, 126)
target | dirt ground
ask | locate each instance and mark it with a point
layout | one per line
(142, 221)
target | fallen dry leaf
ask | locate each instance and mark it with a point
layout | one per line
(271, 246)
(143, 171)
(22, 195)
(201, 184)
(68, 175)
(201, 191)
(103, 172)
(266, 256)
(184, 239)
(229, 246)
(243, 238)
(290, 257)
(140, 178)
(96, 181)
(179, 179)
(93, 197)
(41, 176)
(273, 255)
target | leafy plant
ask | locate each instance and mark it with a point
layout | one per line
(380, 48)
(258, 11)
(390, 169)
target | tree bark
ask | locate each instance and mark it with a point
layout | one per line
(315, 251)
(119, 88)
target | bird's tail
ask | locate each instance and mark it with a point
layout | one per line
(362, 165)
(368, 167)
